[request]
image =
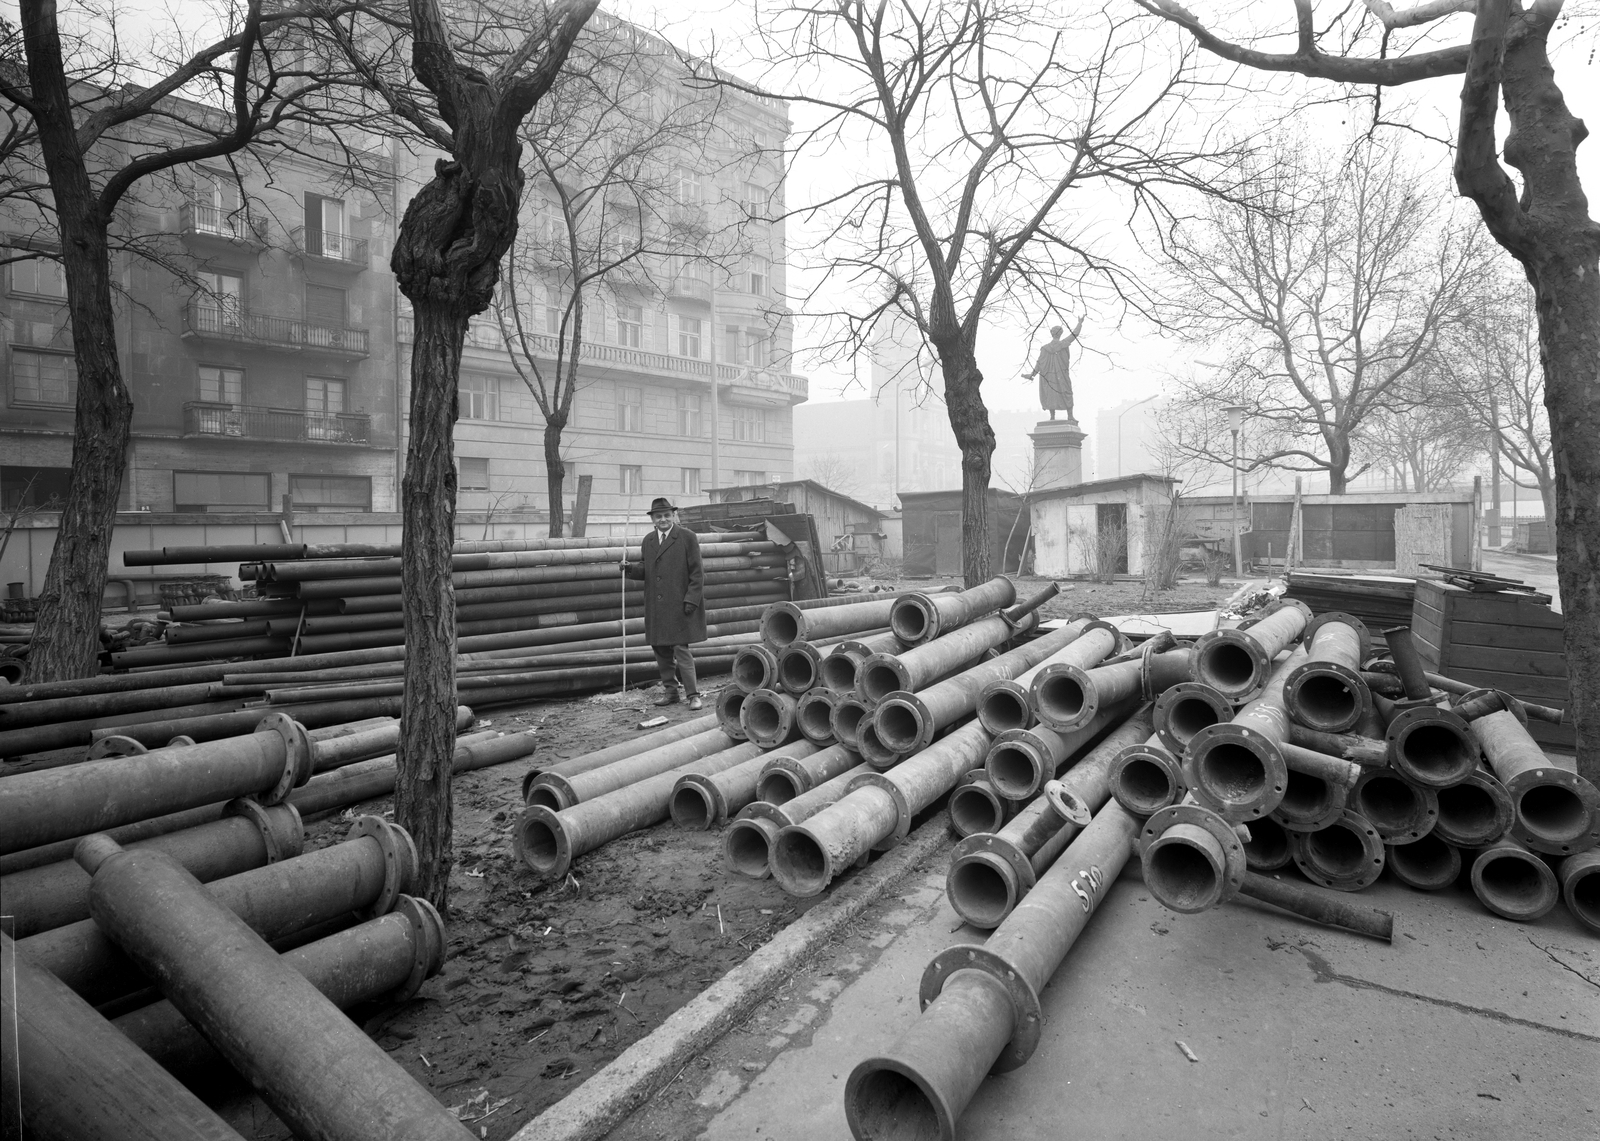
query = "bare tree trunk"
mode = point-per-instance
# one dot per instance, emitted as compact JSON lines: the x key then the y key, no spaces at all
{"x":969,"y":419}
{"x":66,"y":641}
{"x":1338,"y":465}
{"x":555,"y":471}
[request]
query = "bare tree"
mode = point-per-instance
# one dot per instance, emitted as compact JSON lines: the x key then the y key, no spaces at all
{"x":622,"y":147}
{"x":1330,"y":292}
{"x":90,"y":112}
{"x":470,"y":83}
{"x":833,"y":471}
{"x":963,"y":129}
{"x":1544,"y":223}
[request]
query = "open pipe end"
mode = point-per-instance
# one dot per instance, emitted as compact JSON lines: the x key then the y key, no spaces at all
{"x":751,"y":670}
{"x":886,"y":1100}
{"x":1309,"y":800}
{"x":1184,"y":710}
{"x":1268,"y":848}
{"x":545,"y":796}
{"x":1005,"y":707}
{"x":837,"y":672}
{"x":873,"y":749}
{"x":983,"y":889}
{"x":900,"y":724}
{"x":540,"y":841}
{"x":1514,"y":883}
{"x":1238,"y":773}
{"x":1580,"y":884}
{"x":797,"y":670}
{"x":814,"y":714}
{"x":913,"y":619}
{"x":1327,"y":697}
{"x":1556,"y":812}
{"x":1428,"y":864}
{"x":747,"y":846}
{"x":846,"y":719}
{"x":1398,"y":809}
{"x":1346,"y":856}
{"x":1185,"y":869}
{"x":800,"y":863}
{"x":1015,"y":770}
{"x":1431,"y":750}
{"x":765,"y":720}
{"x":1474,"y":813}
{"x":879,"y":676}
{"x":975,"y":808}
{"x":780,"y":625}
{"x":1142,"y":783}
{"x":778,"y":786}
{"x":729,"y":702}
{"x":1232,"y":663}
{"x":691,"y":808}
{"x":1064,"y":698}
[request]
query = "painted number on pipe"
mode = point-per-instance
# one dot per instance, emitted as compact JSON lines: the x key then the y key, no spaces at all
{"x":1093,"y":878}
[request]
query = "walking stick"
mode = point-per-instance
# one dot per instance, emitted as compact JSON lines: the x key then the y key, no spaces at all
{"x":622,"y":617}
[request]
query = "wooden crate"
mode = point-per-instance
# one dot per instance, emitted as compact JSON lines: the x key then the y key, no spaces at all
{"x":1499,"y":641}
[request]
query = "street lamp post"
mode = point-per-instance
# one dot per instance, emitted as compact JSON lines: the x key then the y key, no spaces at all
{"x":1235,"y":422}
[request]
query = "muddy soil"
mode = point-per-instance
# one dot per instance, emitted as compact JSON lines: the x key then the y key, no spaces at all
{"x":547,"y":983}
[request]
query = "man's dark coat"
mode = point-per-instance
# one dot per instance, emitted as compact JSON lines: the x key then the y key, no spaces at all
{"x":672,"y":576}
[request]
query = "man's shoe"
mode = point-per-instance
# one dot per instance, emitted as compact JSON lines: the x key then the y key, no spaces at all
{"x":696,"y":704}
{"x":668,"y":698}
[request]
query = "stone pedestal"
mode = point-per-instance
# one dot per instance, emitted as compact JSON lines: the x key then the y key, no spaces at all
{"x":1057,"y":454}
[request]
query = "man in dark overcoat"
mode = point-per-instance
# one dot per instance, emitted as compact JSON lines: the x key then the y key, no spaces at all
{"x":674,"y":605}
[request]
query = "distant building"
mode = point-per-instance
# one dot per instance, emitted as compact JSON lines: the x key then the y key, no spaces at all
{"x":1128,"y":438}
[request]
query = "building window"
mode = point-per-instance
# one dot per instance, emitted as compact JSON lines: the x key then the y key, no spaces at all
{"x":749,"y":425}
{"x":324,"y":394}
{"x":478,"y":397}
{"x":630,"y":409}
{"x":325,"y":307}
{"x":691,"y":481}
{"x":630,"y":326}
{"x":756,"y":203}
{"x":757,"y":350}
{"x":216,"y":204}
{"x":40,"y":488}
{"x":760,"y":276}
{"x":632,"y":479}
{"x":221,"y":304}
{"x":330,"y":492}
{"x":689,"y":337}
{"x":472,"y":473}
{"x":325,"y":229}
{"x":690,"y":422}
{"x":732,"y":345}
{"x":221,"y":385}
{"x":40,"y":277}
{"x":552,"y":320}
{"x":688,"y":187}
{"x":43,"y":378}
{"x":749,"y":478}
{"x":221,"y":491}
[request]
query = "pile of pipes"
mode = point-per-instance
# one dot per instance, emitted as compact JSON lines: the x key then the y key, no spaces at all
{"x":129,"y":984}
{"x":509,"y":594}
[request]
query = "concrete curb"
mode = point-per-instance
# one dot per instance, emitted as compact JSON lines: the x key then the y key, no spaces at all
{"x":601,"y":1103}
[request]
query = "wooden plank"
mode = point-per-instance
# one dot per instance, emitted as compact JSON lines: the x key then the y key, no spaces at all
{"x":1562,"y":738}
{"x":1543,"y":690}
{"x":1430,"y":629}
{"x":1499,"y":636}
{"x":1491,"y":608}
{"x":1512,"y":663}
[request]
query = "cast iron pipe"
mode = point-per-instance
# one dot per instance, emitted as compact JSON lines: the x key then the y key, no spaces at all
{"x":1407,"y":665}
{"x":1580,"y":886}
{"x":1269,"y":847}
{"x":1145,"y":778}
{"x":1238,"y":769}
{"x":54,"y":804}
{"x":1327,"y":692}
{"x":622,"y":750}
{"x":1238,"y":663}
{"x":597,"y":560}
{"x":873,"y":749}
{"x":1474,"y":813}
{"x":366,"y":780}
{"x":318,"y":1071}
{"x":1556,"y":811}
{"x":1022,"y":761}
{"x":754,"y":667}
{"x":980,"y":1003}
{"x":747,"y":843}
{"x":1184,"y":710}
{"x":1514,"y":883}
{"x":848,"y":715}
{"x":365,"y":874}
{"x":1006,"y":703}
{"x":71,"y":1077}
{"x":973,"y":805}
{"x":916,"y":668}
{"x":1430,"y":746}
{"x":1309,"y":803}
{"x":248,"y":836}
{"x":704,"y":800}
{"x":1399,"y":810}
{"x":788,"y":775}
{"x":768,"y":718}
{"x":838,"y":670}
{"x":547,"y":842}
{"x":989,"y":873}
{"x":1368,"y":752}
{"x":784,"y":623}
{"x":1345,"y":856}
{"x":382,"y":960}
{"x":1428,"y":864}
{"x":907,"y":721}
{"x":557,"y":791}
{"x":728,"y":704}
{"x":1067,"y":695}
{"x":918,"y":618}
{"x":876,"y":812}
{"x":813,"y":712}
{"x":798,"y":664}
{"x":238,"y":552}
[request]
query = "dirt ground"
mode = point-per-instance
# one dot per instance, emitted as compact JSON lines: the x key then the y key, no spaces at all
{"x":545,"y":984}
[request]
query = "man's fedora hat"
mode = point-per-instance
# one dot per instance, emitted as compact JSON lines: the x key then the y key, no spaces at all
{"x":662,"y":503}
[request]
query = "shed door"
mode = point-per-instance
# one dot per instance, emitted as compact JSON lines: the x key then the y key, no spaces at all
{"x":947,"y":543}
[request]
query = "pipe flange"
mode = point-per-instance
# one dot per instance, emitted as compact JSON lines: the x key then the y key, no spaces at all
{"x":180,"y":740}
{"x":997,"y":846}
{"x":1350,"y":620}
{"x":1151,"y":754}
{"x":1028,"y":1012}
{"x":428,"y":944}
{"x":1275,"y":780}
{"x":1408,"y":721}
{"x":1543,"y":777}
{"x":1349,"y":678}
{"x":299,"y":756}
{"x":924,"y":716}
{"x":902,"y":806}
{"x":1068,"y":805}
{"x":1221,"y":830}
{"x":116,"y":746}
{"x":1397,"y":830}
{"x":279,"y":847}
{"x":1187,"y":691}
{"x":1366,"y":869}
{"x":1336,"y":805}
{"x":1503,"y":812}
{"x":1260,"y":671}
{"x":399,"y":861}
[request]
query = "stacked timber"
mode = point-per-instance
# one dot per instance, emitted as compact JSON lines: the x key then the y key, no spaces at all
{"x":1378,"y":600}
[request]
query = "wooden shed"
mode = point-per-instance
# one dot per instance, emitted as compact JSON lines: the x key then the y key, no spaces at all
{"x":850,"y":532}
{"x":931,"y":522}
{"x":1498,"y":640}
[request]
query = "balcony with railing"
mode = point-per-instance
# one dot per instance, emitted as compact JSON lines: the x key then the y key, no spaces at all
{"x":331,"y":248}
{"x":248,"y":422}
{"x":226,"y":224}
{"x":691,"y":283}
{"x":213,"y":322}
